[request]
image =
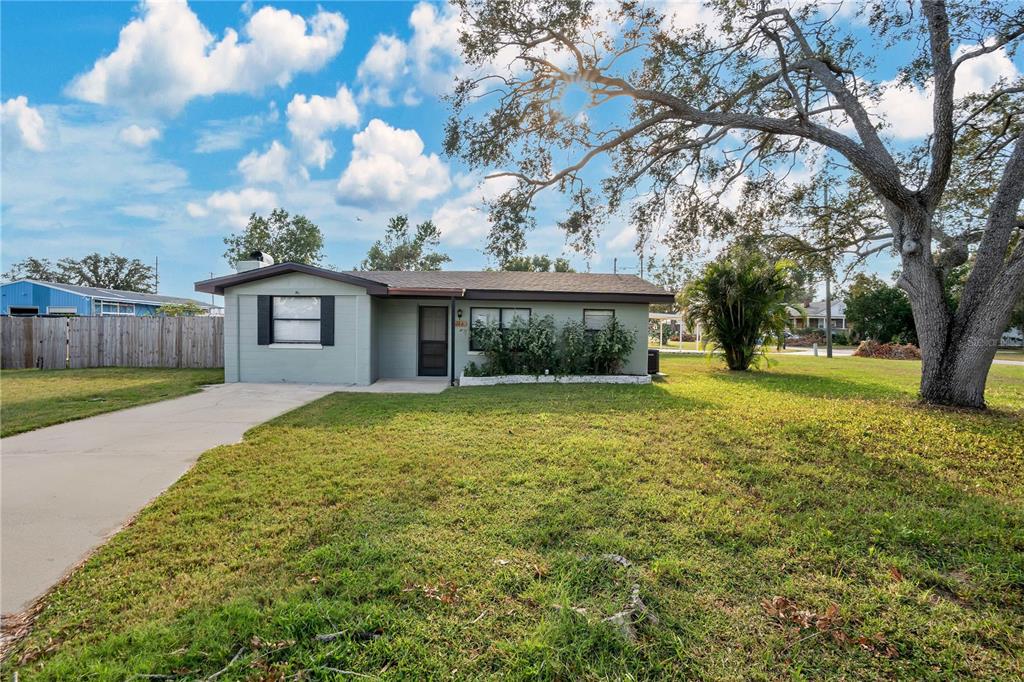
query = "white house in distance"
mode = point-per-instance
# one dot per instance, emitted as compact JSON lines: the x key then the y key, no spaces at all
{"x":815,"y":318}
{"x":298,"y":323}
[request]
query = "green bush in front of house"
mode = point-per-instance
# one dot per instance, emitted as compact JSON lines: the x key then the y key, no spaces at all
{"x":535,"y":346}
{"x":574,"y":350}
{"x":610,"y":347}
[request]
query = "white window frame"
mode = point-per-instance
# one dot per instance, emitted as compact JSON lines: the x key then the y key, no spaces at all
{"x":501,"y":321}
{"x":123,"y":309}
{"x":596,"y":310}
{"x":291,"y":343}
{"x":61,"y":310}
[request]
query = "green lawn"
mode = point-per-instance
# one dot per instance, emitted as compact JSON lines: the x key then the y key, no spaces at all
{"x":31,"y":398}
{"x":462,"y":536}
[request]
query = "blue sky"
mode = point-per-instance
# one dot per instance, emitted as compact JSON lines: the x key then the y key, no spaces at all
{"x":154,"y":130}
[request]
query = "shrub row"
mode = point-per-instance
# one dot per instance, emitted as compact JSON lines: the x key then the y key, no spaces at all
{"x":535,"y":346}
{"x":888,"y":351}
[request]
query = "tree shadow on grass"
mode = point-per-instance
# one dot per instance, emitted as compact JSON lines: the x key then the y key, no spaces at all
{"x":344,"y":410}
{"x":814,"y":385}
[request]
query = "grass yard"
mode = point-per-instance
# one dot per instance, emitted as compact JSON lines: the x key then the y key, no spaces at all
{"x":31,"y":398}
{"x":806,"y":522}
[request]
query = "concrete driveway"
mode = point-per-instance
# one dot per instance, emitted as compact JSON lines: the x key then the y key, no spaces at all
{"x":66,"y":488}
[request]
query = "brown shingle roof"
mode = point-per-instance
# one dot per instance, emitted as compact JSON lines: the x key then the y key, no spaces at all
{"x":551,"y":282}
{"x":566,"y":286}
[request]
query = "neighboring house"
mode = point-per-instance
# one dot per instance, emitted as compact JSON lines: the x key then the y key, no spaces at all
{"x":33,"y":297}
{"x":1012,"y":338}
{"x":815,"y":316}
{"x":299,"y":323}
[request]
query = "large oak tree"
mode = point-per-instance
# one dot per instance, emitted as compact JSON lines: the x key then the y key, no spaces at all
{"x":681,"y":112}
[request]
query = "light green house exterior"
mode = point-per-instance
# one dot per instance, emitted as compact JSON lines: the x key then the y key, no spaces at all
{"x":377,"y":326}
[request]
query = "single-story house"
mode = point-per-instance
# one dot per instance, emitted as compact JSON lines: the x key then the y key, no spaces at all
{"x":34,"y":297}
{"x":815,"y":318}
{"x":299,"y":323}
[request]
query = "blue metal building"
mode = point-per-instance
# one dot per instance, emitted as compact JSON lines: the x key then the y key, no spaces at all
{"x":32,"y":297}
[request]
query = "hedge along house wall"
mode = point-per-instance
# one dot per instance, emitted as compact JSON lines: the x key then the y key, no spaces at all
{"x":632,"y":316}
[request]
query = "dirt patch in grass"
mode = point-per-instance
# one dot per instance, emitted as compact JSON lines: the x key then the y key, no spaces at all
{"x":461,"y":536}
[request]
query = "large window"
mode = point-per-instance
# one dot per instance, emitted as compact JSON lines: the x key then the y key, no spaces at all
{"x":113,"y":308}
{"x":510,"y":315}
{"x":503,"y":317}
{"x":596,"y":320}
{"x":296,"y":319}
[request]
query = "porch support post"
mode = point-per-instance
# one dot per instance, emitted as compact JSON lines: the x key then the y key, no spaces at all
{"x":451,"y":342}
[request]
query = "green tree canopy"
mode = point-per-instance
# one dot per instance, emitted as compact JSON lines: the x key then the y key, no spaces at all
{"x":401,"y":251}
{"x":288,"y":239}
{"x":879,"y":311}
{"x":107,"y":272}
{"x":627,"y":111}
{"x":35,"y":268}
{"x":541,"y":263}
{"x":187,"y":309}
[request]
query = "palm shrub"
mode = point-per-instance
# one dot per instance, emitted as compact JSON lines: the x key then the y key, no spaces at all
{"x":740,"y":301}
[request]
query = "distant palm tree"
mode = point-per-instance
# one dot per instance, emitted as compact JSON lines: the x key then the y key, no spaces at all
{"x":739,"y":300}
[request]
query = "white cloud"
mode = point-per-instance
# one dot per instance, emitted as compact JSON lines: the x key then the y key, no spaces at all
{"x":981,"y":73}
{"x":463,"y":219}
{"x":220,"y":135}
{"x":434,"y":47}
{"x":382,"y":68}
{"x":165,"y":56}
{"x":908,"y":109}
{"x":146,"y":211}
{"x":309,"y":118}
{"x":23,"y":123}
{"x":137,"y":136}
{"x":61,"y":194}
{"x":272,"y":166}
{"x":234,"y":207}
{"x":431,"y":56}
{"x":688,"y":16}
{"x":388,"y":166}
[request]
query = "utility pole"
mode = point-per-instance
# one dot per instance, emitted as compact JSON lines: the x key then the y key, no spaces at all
{"x":828,"y":280}
{"x":615,"y":266}
{"x":212,"y":302}
{"x":156,"y":276}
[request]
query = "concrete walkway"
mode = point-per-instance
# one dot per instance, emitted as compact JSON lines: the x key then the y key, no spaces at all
{"x":66,"y":488}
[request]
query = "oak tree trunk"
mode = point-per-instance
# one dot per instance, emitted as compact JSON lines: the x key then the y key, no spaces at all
{"x":957,"y":347}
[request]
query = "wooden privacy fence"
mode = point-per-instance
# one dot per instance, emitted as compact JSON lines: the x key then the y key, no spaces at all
{"x":76,"y":342}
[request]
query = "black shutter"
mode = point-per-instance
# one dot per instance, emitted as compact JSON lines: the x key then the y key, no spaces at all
{"x":264,"y":320}
{"x":326,"y":320}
